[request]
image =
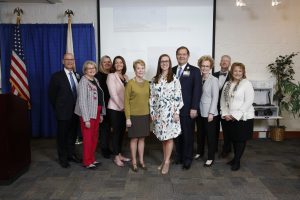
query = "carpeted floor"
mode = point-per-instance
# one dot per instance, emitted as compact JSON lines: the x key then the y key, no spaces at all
{"x":269,"y":170}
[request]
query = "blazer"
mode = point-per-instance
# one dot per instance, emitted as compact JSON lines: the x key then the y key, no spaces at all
{"x":190,"y":81}
{"x":87,"y":101}
{"x":116,"y":90}
{"x":240,"y":106}
{"x":217,"y":75}
{"x":61,"y":96}
{"x":209,"y":97}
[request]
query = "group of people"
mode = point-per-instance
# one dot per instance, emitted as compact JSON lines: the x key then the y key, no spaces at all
{"x":175,"y":100}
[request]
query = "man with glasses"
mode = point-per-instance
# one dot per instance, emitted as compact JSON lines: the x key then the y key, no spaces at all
{"x":190,"y":80}
{"x":63,"y":95}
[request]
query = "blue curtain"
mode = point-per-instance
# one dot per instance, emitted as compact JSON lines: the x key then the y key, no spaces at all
{"x":44,"y":47}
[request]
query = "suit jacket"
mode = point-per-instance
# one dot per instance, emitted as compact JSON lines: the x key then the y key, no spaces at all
{"x":61,"y":96}
{"x":116,"y":90}
{"x":240,"y":106}
{"x":190,"y":81}
{"x":209,"y":97}
{"x":217,"y":75}
{"x":87,"y":101}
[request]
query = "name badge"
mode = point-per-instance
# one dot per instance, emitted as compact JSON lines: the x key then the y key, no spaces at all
{"x":186,"y":73}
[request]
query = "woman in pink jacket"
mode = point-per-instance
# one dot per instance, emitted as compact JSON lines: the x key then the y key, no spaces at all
{"x":116,"y":82}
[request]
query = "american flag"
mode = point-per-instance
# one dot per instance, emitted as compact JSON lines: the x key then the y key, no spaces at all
{"x":18,"y":72}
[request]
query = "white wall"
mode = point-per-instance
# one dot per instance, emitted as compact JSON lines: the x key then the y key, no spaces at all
{"x":256,"y":34}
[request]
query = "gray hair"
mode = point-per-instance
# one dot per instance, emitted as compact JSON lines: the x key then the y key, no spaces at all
{"x":88,"y":62}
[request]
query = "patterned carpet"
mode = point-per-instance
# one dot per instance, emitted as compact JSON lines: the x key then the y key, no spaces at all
{"x":269,"y":170}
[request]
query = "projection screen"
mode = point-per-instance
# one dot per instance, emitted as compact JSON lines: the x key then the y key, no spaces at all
{"x":140,"y":29}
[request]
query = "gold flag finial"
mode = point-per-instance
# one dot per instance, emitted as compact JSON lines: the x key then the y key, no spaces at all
{"x":19,"y":12}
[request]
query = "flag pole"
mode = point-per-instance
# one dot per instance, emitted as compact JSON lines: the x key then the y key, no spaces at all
{"x":18,"y":72}
{"x":69,"y":47}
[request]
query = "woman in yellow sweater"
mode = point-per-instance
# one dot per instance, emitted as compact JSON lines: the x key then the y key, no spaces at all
{"x":137,"y":92}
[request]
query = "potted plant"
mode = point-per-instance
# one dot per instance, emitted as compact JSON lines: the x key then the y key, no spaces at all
{"x":286,"y":92}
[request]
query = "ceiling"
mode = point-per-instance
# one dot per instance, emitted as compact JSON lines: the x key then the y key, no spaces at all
{"x":32,"y":1}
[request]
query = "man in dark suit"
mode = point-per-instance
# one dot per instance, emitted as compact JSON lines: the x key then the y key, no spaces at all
{"x":190,"y":80}
{"x":223,"y":76}
{"x":63,"y":95}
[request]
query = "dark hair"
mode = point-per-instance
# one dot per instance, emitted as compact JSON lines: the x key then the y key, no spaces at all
{"x":240,"y":65}
{"x":159,"y":71}
{"x":183,"y":47}
{"x":113,"y":68}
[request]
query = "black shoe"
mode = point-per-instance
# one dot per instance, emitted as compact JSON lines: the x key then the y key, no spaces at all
{"x":177,"y":162}
{"x":230,"y":162}
{"x":186,"y":166}
{"x":208,"y":165}
{"x":96,"y":163}
{"x":224,"y":154}
{"x":75,"y":159}
{"x":91,"y":166}
{"x":64,"y":164}
{"x":236,"y":166}
{"x":198,"y":156}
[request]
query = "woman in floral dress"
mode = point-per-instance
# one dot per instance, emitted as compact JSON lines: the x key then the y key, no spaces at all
{"x":165,"y":103}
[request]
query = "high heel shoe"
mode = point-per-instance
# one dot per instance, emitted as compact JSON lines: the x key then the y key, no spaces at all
{"x":134,"y":168}
{"x":165,"y":168}
{"x":118,"y":162}
{"x":124,"y":159}
{"x":160,"y":166}
{"x":143,"y":166}
{"x":208,"y":163}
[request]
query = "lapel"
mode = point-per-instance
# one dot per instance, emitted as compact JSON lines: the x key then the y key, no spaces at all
{"x":118,"y":79}
{"x":207,"y":82}
{"x":66,"y":80}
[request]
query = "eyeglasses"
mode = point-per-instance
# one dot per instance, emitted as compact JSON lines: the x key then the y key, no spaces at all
{"x":205,"y":66}
{"x":69,"y":59}
{"x":164,"y":61}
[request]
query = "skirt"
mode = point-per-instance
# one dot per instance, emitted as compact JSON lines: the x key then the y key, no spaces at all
{"x":239,"y":131}
{"x":140,"y":126}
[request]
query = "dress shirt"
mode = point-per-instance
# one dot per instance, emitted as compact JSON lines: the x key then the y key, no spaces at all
{"x":222,"y":79}
{"x":74,"y":77}
{"x":182,"y":69}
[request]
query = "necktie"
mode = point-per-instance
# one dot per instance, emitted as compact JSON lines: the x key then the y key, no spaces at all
{"x":179,"y":72}
{"x":73,"y":85}
{"x":223,"y":73}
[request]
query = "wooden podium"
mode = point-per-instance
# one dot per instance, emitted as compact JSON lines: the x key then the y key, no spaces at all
{"x":15,"y":152}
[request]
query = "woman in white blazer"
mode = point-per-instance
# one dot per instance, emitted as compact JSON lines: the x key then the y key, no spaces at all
{"x":237,"y":110}
{"x":116,"y":86}
{"x":90,"y":106}
{"x":206,"y":122}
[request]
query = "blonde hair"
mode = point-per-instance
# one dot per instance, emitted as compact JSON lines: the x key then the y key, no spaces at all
{"x":139,"y":61}
{"x":88,"y":62}
{"x":206,"y":58}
